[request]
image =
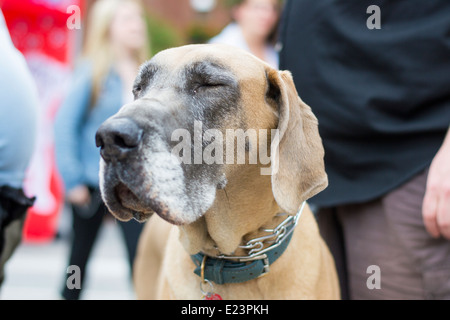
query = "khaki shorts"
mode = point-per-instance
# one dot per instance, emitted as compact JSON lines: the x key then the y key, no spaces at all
{"x":382,"y":250}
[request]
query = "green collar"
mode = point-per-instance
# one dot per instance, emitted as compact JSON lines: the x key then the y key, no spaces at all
{"x":234,"y":269}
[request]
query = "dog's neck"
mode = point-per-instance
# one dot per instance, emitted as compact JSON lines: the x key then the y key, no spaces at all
{"x":237,"y":215}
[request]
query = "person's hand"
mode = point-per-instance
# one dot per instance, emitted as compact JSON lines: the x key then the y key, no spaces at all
{"x":436,"y":203}
{"x":79,"y":196}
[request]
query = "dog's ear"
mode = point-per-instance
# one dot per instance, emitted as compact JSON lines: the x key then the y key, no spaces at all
{"x":298,"y":170}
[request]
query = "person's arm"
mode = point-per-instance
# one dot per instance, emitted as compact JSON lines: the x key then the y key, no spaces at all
{"x":68,"y":125}
{"x":436,"y":203}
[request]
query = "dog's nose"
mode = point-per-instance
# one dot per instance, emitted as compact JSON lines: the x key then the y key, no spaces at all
{"x":116,"y":137}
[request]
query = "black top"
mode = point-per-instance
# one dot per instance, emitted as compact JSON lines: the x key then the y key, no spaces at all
{"x":382,"y":96}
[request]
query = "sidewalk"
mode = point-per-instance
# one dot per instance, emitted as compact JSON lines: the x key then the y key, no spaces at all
{"x":37,"y":271}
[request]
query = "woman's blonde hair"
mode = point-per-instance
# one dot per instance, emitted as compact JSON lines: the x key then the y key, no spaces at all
{"x":97,"y":47}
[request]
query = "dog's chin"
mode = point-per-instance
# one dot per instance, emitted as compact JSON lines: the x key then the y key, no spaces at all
{"x":124,"y":204}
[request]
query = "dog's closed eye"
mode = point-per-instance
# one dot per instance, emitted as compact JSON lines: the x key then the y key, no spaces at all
{"x":136,"y":90}
{"x":147,"y":72}
{"x":206,"y":76}
{"x":204,"y":86}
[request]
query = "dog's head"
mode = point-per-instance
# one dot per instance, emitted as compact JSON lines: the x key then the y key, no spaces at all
{"x":168,"y":151}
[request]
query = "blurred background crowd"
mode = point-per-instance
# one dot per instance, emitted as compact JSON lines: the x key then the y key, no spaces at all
{"x":81,"y":57}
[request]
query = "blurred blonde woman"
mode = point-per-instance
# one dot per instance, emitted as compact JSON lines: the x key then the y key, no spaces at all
{"x":253,"y":28}
{"x":116,"y":44}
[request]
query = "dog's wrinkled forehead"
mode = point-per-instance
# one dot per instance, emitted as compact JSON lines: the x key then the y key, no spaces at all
{"x":206,"y":88}
{"x":197,"y":66}
{"x":200,"y":70}
{"x":193,"y":75}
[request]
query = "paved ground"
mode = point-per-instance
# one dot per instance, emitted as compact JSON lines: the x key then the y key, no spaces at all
{"x":37,"y":271}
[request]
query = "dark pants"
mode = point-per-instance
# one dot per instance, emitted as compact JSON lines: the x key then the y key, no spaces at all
{"x":13,"y":208}
{"x":387,"y":233}
{"x":85,"y":230}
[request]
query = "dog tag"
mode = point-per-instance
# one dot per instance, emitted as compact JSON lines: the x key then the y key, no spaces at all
{"x":212,"y":296}
{"x":207,"y":294}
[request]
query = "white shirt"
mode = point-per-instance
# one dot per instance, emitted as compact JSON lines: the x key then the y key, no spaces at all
{"x":232,"y":35}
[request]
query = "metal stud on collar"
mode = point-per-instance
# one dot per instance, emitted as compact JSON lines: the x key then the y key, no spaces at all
{"x":275,"y":238}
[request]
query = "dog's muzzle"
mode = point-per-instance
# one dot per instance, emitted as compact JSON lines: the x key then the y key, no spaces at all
{"x":130,"y":184}
{"x":119,"y":139}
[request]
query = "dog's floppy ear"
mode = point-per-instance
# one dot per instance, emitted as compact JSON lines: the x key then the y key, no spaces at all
{"x":298,"y":170}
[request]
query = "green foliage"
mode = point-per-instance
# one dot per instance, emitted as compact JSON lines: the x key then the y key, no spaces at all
{"x":162,"y":35}
{"x":198,"y":33}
